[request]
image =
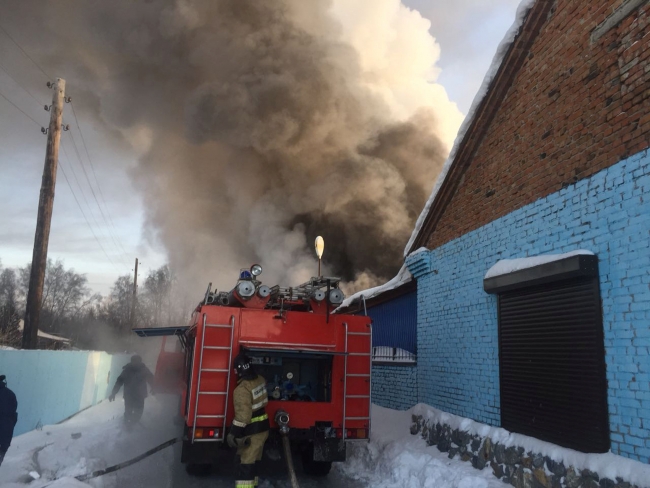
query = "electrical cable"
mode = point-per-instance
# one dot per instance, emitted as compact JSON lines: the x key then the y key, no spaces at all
{"x":65,"y":176}
{"x":85,"y":218}
{"x":99,"y":188}
{"x":25,"y":52}
{"x":108,"y":230}
{"x":76,"y":149}
{"x":16,"y":82}
{"x":21,"y":110}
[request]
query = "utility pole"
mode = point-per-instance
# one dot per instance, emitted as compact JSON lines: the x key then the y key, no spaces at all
{"x":135,"y":297}
{"x":44,"y":219}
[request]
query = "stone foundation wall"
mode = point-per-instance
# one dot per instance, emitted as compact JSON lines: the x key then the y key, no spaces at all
{"x":512,"y":465}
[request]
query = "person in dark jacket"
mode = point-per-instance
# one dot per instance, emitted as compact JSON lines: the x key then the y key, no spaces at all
{"x":134,"y":377}
{"x":8,"y":416}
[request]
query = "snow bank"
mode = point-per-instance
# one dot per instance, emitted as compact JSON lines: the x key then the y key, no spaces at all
{"x":506,"y":266}
{"x":502,"y":50}
{"x":394,"y":457}
{"x":68,"y":482}
{"x":607,"y":465}
{"x":92,"y":440}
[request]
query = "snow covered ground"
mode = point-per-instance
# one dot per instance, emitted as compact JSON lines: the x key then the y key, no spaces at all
{"x":395,"y":458}
{"x":95,"y":439}
{"x":90,"y":441}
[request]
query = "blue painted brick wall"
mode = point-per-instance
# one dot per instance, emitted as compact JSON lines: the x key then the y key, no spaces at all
{"x":394,"y":387}
{"x":608,"y":214}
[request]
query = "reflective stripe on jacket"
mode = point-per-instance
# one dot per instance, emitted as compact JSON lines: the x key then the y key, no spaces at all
{"x":250,"y":398}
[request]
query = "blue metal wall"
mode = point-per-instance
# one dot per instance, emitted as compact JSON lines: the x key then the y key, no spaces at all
{"x":395,"y":326}
{"x":395,"y":323}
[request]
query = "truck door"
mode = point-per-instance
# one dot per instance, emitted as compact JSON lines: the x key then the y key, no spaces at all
{"x":168,"y":377}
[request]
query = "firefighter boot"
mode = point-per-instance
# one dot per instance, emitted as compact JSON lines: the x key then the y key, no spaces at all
{"x":245,"y":476}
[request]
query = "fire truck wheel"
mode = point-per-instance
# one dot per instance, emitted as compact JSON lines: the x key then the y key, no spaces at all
{"x":314,"y":468}
{"x":198,"y":469}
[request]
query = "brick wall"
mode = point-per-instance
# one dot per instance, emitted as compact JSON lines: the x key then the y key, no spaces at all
{"x":607,"y":213}
{"x":576,"y":107}
{"x":394,"y":386}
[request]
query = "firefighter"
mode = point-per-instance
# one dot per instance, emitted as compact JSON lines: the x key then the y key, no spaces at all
{"x":8,"y":416}
{"x":250,"y":427}
{"x":134,"y":377}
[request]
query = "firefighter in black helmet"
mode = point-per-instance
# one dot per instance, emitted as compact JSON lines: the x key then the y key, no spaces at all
{"x":250,"y":427}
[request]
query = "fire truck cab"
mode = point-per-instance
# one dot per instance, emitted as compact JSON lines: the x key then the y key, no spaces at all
{"x":317,"y":367}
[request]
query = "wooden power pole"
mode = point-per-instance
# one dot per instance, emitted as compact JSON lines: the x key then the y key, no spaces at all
{"x":44,"y":219}
{"x":135,"y":296}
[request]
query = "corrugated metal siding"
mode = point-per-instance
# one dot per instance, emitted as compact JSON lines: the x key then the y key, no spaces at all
{"x":552,"y":362}
{"x":395,"y":323}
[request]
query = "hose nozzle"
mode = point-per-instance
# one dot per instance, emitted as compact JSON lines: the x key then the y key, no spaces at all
{"x":282,"y":419}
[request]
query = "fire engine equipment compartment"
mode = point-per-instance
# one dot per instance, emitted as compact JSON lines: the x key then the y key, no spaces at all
{"x":291,"y":376}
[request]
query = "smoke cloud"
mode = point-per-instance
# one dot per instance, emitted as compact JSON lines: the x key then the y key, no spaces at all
{"x":262,"y":124}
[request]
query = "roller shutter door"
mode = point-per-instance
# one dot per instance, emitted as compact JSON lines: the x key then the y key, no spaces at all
{"x":552,"y":364}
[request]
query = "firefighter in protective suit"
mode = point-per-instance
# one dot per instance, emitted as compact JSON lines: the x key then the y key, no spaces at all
{"x":250,"y":427}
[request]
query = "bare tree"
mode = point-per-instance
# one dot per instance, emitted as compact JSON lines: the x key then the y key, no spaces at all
{"x":117,"y":309}
{"x":9,"y":312}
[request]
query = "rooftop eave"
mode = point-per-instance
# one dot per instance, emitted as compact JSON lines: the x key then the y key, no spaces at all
{"x":485,"y":114}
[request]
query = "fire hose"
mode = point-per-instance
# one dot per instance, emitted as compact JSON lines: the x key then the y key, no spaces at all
{"x":124,"y":464}
{"x":282,"y":419}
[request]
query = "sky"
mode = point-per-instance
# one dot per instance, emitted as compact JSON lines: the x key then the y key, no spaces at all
{"x":98,"y":226}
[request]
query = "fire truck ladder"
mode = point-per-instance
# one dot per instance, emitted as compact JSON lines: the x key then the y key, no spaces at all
{"x":349,"y":374}
{"x":225,"y":371}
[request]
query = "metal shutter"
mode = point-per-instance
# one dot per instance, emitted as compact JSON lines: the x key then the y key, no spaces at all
{"x":552,"y":359}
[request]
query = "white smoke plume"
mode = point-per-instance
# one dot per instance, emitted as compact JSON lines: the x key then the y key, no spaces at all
{"x":262,"y":124}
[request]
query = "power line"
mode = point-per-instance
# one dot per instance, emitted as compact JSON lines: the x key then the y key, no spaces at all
{"x":25,"y":52}
{"x":75,"y":146}
{"x":20,"y":110}
{"x":74,"y":174}
{"x":108,"y":230}
{"x":86,"y":218}
{"x":16,"y":82}
{"x":69,"y":185}
{"x":92,"y":167}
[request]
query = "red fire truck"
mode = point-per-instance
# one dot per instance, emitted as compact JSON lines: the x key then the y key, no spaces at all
{"x":317,"y":366}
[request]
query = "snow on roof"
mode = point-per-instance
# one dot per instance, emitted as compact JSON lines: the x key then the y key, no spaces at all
{"x":44,"y":335}
{"x":403,"y":276}
{"x":507,"y":266}
{"x":607,"y":465}
{"x":502,"y":50}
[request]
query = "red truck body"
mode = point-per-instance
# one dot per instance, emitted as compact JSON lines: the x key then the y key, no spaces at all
{"x":317,"y":366}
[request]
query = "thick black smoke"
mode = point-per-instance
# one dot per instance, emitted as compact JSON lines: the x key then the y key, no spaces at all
{"x":258,"y":132}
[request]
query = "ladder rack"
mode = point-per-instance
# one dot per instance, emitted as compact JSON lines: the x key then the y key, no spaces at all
{"x":202,"y":370}
{"x":348,"y":374}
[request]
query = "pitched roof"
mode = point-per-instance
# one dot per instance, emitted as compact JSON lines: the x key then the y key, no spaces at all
{"x":510,"y":57}
{"x":398,"y":286}
{"x":44,"y":335}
